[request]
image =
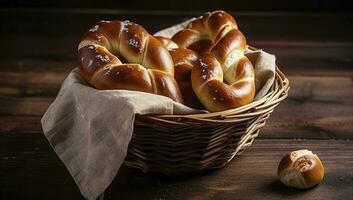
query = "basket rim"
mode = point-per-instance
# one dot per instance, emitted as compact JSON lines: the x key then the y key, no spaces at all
{"x":273,"y":97}
{"x":283,"y":91}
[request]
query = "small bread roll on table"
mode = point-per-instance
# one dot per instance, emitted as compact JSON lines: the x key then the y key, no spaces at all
{"x":301,"y":169}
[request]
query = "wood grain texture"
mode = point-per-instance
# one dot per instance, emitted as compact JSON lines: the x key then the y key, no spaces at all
{"x":31,"y":170}
{"x":306,"y":44}
{"x":313,"y":49}
{"x":257,"y":26}
{"x":182,"y":5}
{"x":294,"y":58}
{"x":317,"y":107}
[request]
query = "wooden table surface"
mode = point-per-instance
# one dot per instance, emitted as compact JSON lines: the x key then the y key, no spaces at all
{"x":314,"y":51}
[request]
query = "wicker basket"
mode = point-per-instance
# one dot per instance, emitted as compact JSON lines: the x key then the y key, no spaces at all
{"x":180,"y":144}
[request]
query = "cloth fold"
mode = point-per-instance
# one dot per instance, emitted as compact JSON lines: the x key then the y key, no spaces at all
{"x":90,"y":129}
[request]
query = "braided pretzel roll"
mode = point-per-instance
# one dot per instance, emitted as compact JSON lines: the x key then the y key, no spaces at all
{"x":184,"y":60}
{"x":225,"y":77}
{"x":149,"y":68}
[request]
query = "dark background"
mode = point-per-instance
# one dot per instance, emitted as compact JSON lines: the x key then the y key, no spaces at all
{"x":298,"y":32}
{"x":188,"y":5}
{"x":312,"y":41}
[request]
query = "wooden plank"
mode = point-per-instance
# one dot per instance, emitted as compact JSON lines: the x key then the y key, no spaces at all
{"x":257,"y":26}
{"x":27,"y":167}
{"x":315,"y":128}
{"x":24,"y":106}
{"x":311,"y":58}
{"x":31,"y":170}
{"x":28,"y":84}
{"x":306,"y":128}
{"x":182,"y":5}
{"x":20,"y":125}
{"x":328,"y":92}
{"x":40,"y":52}
{"x":317,"y":107}
{"x":300,"y":46}
{"x":308,"y":59}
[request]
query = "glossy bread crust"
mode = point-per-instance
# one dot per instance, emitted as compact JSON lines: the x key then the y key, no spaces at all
{"x":301,"y":169}
{"x":184,"y":61}
{"x":149,"y":66}
{"x":224,"y":78}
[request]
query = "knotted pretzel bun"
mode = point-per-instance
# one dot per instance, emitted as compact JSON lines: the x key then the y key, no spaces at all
{"x":225,"y":77}
{"x":149,"y":66}
{"x":184,"y":60}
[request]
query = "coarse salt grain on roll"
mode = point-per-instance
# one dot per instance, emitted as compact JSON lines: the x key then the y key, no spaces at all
{"x":149,"y":66}
{"x":225,"y":77}
{"x":301,"y":169}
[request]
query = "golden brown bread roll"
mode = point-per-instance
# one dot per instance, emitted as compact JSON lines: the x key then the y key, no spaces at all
{"x":184,"y":60}
{"x":149,"y":68}
{"x":206,"y":31}
{"x":225,"y":77}
{"x":301,"y":169}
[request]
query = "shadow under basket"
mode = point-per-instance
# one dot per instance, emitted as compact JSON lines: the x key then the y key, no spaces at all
{"x":182,"y":144}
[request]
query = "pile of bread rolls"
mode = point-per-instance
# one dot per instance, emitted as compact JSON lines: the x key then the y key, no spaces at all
{"x":202,"y":66}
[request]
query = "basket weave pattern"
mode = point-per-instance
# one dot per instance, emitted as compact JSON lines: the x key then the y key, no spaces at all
{"x":180,"y":144}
